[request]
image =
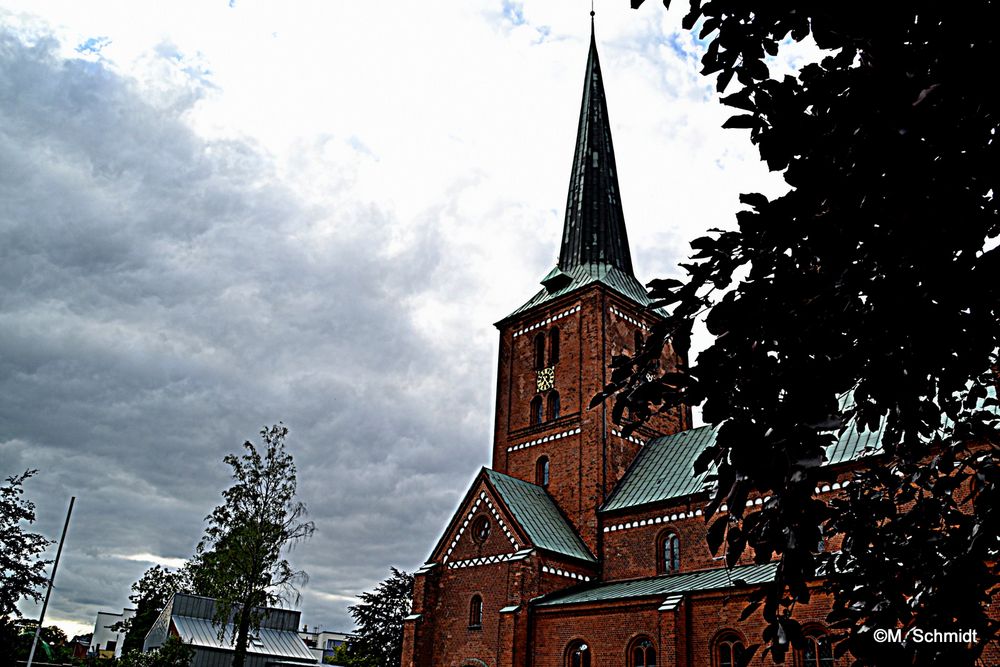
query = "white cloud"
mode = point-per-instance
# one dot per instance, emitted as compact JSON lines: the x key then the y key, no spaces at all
{"x":215,"y":218}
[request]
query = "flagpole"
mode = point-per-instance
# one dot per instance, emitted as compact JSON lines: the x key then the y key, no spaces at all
{"x":52,"y":578}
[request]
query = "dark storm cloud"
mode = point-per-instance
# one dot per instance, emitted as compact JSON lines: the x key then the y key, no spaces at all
{"x":163,"y":296}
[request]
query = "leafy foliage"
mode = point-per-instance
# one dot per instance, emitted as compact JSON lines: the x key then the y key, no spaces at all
{"x":16,"y":637}
{"x":22,"y":570}
{"x":173,"y":653}
{"x":150,"y":595}
{"x":378,"y":640}
{"x":239,"y":560}
{"x":866,"y":295}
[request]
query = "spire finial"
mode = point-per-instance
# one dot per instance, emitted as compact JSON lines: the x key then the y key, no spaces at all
{"x":591,"y":11}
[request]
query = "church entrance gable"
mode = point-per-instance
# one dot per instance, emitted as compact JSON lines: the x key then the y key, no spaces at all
{"x":482,"y":532}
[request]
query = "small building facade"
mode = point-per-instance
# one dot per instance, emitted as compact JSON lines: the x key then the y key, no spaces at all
{"x":106,"y":642}
{"x":189,"y":617}
{"x":324,"y":643}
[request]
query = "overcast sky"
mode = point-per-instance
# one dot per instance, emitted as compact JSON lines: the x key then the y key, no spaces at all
{"x":218,"y":215}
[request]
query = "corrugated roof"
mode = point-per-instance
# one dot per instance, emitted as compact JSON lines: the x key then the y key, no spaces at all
{"x":538,"y":515}
{"x":663,"y":585}
{"x":663,"y":470}
{"x":275,"y":643}
{"x":585,"y":274}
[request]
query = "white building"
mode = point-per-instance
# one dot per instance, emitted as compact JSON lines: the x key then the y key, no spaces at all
{"x":105,"y":642}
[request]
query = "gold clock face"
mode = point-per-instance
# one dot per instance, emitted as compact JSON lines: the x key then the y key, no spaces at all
{"x":546,"y":379}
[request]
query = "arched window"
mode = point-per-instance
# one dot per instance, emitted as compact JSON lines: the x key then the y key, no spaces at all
{"x":536,"y":410}
{"x":642,"y":653}
{"x":553,"y":346}
{"x":539,"y":351}
{"x":578,"y":655}
{"x":668,"y":553}
{"x":728,"y":650}
{"x":542,"y":471}
{"x":818,"y":651}
{"x":552,"y":405}
{"x":476,"y":612}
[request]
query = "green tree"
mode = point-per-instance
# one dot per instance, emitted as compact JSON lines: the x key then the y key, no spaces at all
{"x":865,"y":296}
{"x":150,"y":595}
{"x":173,"y":653}
{"x":22,"y":569}
{"x":239,"y":560}
{"x":378,"y":640}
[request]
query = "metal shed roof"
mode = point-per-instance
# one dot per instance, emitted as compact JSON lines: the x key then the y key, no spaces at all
{"x":537,"y":514}
{"x":283,"y":644}
{"x":664,"y":585}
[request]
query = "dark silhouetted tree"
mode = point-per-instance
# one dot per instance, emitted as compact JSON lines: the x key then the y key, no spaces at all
{"x":22,"y":568}
{"x":239,"y":560}
{"x":864,"y":297}
{"x":378,"y":640}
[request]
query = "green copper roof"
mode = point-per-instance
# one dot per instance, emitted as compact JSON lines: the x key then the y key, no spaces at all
{"x":594,"y":246}
{"x":585,"y":274}
{"x":594,"y":229}
{"x":537,"y":514}
{"x":667,"y":584}
{"x":663,"y":470}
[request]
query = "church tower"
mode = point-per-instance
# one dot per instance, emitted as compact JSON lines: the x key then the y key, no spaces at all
{"x":529,"y":525}
{"x":555,"y":350}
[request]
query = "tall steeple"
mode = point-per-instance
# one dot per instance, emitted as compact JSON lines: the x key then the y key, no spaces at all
{"x":594,"y":228}
{"x":594,"y":246}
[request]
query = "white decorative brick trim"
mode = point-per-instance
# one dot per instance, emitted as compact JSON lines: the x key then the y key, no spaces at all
{"x":629,"y":318}
{"x":630,"y":438}
{"x":836,"y":486}
{"x":666,"y":518}
{"x":548,"y":438}
{"x":484,"y":560}
{"x":826,"y":488}
{"x":465,"y":524}
{"x":565,"y":573}
{"x":546,"y":321}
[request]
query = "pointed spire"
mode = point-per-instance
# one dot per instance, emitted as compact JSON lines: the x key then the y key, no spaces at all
{"x":594,"y":231}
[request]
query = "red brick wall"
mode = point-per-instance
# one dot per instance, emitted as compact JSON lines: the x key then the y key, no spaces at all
{"x":608,"y":631}
{"x":632,"y":552}
{"x":584,"y":468}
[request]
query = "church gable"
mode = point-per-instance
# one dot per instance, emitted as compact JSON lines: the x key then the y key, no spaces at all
{"x":483,"y":530}
{"x":502,"y":518}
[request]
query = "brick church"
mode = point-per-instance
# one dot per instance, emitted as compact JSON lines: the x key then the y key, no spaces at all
{"x":582,"y":547}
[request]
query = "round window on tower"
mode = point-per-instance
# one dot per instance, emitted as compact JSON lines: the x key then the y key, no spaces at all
{"x":480,"y":529}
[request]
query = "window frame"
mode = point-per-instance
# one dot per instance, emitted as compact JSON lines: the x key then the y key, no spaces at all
{"x":665,"y":564}
{"x":554,"y":346}
{"x":573,"y":647}
{"x":542,"y":471}
{"x":538,"y":351}
{"x":553,"y":406}
{"x":815,"y":634}
{"x":635,"y":645}
{"x":476,"y":612}
{"x":727,"y":638}
{"x":536,"y":411}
